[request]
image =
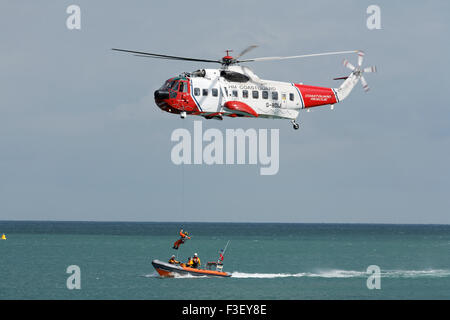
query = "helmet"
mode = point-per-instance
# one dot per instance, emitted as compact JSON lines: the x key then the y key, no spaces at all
{"x":173,"y":256}
{"x":195,"y":254}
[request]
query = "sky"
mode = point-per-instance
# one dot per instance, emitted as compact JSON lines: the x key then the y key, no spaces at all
{"x":82,"y":139}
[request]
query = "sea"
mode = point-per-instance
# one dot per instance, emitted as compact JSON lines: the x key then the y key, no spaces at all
{"x":266,"y":260}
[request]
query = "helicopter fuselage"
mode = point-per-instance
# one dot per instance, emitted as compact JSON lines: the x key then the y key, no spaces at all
{"x":236,"y":91}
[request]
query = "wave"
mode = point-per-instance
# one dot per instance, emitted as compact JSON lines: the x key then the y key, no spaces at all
{"x":346,"y":274}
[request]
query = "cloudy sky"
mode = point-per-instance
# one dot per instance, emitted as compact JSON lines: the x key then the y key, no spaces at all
{"x":81,"y":137}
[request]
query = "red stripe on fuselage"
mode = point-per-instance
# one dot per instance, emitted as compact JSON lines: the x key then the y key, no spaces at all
{"x":316,"y":96}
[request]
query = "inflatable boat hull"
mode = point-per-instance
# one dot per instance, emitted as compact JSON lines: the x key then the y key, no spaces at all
{"x":165,"y":269}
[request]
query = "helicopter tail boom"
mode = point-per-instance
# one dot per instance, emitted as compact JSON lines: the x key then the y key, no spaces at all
{"x":347,"y":86}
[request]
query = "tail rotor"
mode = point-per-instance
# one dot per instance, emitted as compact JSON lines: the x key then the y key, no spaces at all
{"x":359,"y":71}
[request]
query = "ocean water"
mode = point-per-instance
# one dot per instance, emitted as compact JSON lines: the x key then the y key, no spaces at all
{"x":267,"y":261}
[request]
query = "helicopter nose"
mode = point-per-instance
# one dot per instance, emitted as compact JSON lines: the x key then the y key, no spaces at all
{"x":161,"y":94}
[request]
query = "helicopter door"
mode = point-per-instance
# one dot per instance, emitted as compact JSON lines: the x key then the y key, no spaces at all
{"x":183,"y":94}
{"x":283,"y":100}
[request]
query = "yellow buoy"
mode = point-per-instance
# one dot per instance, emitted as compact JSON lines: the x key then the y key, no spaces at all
{"x":3,"y":237}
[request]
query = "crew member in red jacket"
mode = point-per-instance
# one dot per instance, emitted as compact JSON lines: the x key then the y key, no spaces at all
{"x":183,"y":237}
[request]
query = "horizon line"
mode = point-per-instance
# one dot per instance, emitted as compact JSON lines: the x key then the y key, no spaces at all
{"x":228,"y":222}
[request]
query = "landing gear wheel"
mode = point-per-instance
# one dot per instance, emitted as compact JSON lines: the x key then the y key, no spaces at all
{"x":183,"y":114}
{"x":295,"y":125}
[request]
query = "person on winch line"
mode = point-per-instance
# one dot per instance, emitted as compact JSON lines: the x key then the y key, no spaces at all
{"x":183,"y":237}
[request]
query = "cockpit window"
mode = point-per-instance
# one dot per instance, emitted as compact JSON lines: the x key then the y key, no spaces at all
{"x":166,"y":85}
{"x":174,"y":86}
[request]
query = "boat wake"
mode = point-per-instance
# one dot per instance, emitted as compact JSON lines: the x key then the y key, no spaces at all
{"x":325,"y":274}
{"x":430,"y":273}
{"x":175,"y":275}
{"x":151,"y":275}
{"x":188,"y":276}
{"x":346,"y":274}
{"x":438,"y":273}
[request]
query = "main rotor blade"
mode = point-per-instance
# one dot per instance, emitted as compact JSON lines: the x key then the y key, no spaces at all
{"x":163,"y":56}
{"x":245,"y":51}
{"x":295,"y":57}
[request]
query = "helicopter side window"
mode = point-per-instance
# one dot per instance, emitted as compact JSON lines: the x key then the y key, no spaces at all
{"x":205,"y":92}
{"x":265,"y":94}
{"x":291,"y":96}
{"x":214,"y":92}
{"x":196,"y":91}
{"x":274,"y":95}
{"x":235,"y":93}
{"x":255,"y":94}
{"x":182,"y":87}
{"x":244,"y":93}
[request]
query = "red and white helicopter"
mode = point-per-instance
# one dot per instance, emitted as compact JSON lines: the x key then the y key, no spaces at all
{"x":235,"y":91}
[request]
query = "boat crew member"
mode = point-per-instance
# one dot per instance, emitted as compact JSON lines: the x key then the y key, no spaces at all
{"x":183,"y":237}
{"x":173,"y":260}
{"x":190,"y":262}
{"x":196,"y":261}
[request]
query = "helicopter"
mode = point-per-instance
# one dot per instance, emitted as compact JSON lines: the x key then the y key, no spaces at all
{"x":234,"y":90}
